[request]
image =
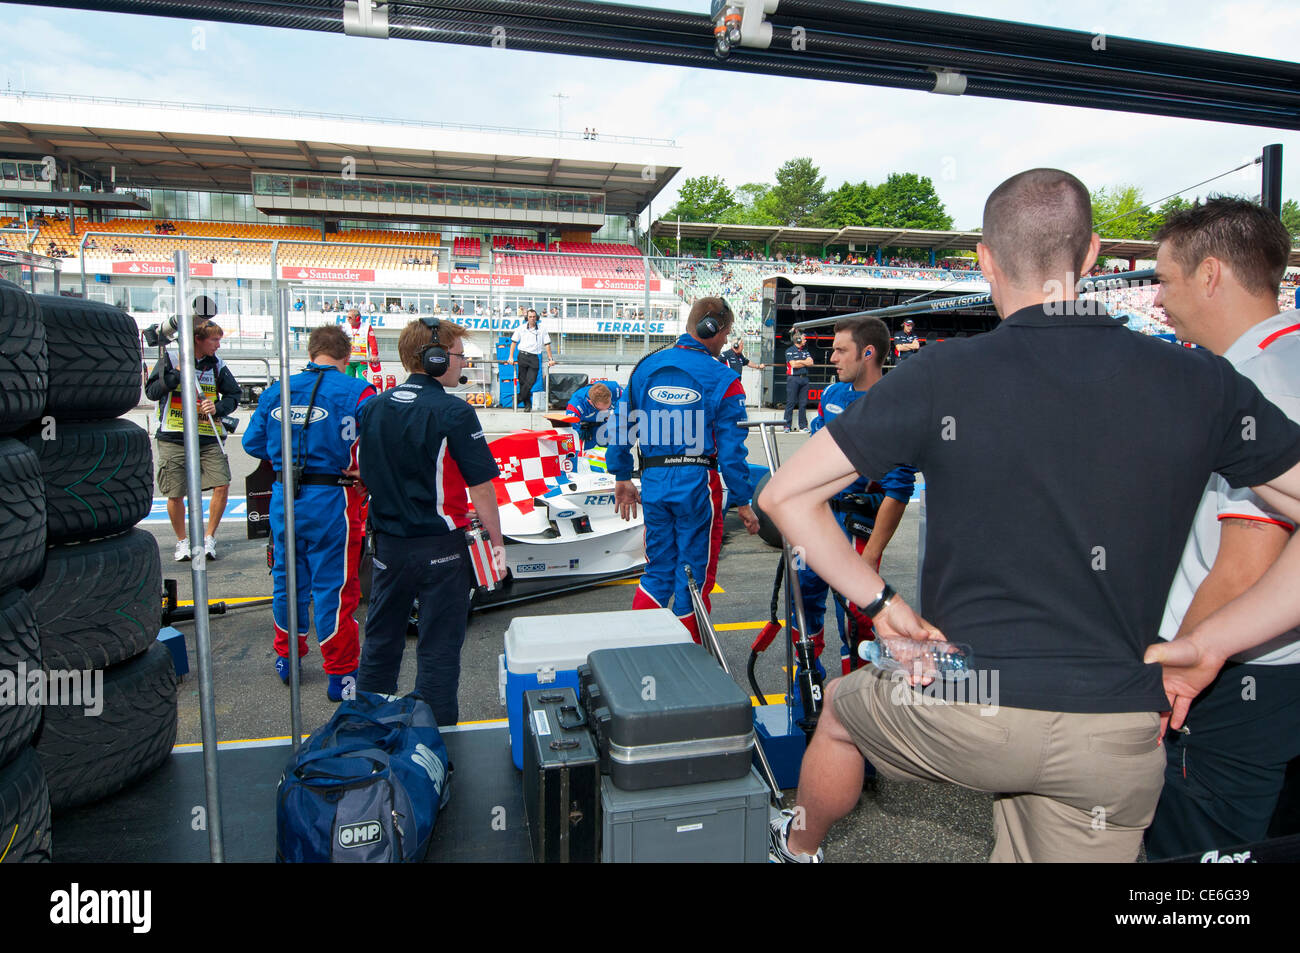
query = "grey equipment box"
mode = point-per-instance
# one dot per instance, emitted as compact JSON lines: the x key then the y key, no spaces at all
{"x":715,"y":822}
{"x":666,"y":715}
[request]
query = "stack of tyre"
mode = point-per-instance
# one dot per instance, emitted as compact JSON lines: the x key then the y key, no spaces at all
{"x":80,"y":587}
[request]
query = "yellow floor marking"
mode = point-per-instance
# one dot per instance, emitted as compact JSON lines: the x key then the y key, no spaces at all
{"x":229,"y":600}
{"x":768,"y":700}
{"x":632,"y":582}
{"x":10,"y":844}
{"x":239,"y":741}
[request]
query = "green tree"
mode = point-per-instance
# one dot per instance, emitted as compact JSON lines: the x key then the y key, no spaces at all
{"x":798,"y":193}
{"x":1156,"y":219}
{"x":1291,"y":218}
{"x":1119,"y":212}
{"x":908,"y":200}
{"x":756,"y":206}
{"x":704,"y":198}
{"x":852,"y":204}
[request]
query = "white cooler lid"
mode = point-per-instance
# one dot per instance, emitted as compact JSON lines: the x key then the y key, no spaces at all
{"x":563,"y":642}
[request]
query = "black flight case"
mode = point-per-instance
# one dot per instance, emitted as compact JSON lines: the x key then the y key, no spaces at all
{"x":561,"y":778}
{"x":666,"y":715}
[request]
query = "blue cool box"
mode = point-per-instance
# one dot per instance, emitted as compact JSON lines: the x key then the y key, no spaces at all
{"x":545,"y":652}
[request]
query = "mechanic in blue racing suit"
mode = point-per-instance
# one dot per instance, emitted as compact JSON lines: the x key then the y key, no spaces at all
{"x":683,"y":406}
{"x":869,"y":511}
{"x":591,"y":405}
{"x":327,"y":521}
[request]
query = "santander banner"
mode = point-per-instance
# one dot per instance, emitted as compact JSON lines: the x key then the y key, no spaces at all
{"x":306,"y":273}
{"x":197,"y":269}
{"x":476,"y":279}
{"x":619,"y":284}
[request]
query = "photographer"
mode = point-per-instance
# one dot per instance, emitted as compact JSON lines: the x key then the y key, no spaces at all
{"x":220,"y":397}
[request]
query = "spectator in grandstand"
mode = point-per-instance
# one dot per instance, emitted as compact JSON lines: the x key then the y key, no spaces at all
{"x":1071,"y":733}
{"x":220,"y":397}
{"x":906,"y":343}
{"x":299,"y":305}
{"x":797,"y":362}
{"x":328,"y":520}
{"x":1219,"y":265}
{"x":528,"y":342}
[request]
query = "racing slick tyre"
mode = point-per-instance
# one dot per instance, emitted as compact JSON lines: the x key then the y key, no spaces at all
{"x":20,"y":653}
{"x":100,"y":603}
{"x":24,"y":365}
{"x":95,"y":359}
{"x":22,"y":514}
{"x":767,"y":530}
{"x":98,"y":477}
{"x":86,"y":756}
{"x":24,"y":811}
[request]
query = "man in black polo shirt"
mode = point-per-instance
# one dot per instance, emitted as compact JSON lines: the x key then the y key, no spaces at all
{"x":735,"y":357}
{"x":422,"y":454}
{"x":1064,"y":457}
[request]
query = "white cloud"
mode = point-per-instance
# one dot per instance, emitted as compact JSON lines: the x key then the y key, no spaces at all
{"x":736,"y":125}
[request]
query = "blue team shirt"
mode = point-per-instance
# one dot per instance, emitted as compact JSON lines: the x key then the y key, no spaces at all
{"x":581,"y":407}
{"x":331,"y":440}
{"x":667,"y":387}
{"x":900,"y":482}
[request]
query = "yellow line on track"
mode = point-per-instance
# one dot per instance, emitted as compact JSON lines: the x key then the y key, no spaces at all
{"x":632,"y":582}
{"x":229,"y":600}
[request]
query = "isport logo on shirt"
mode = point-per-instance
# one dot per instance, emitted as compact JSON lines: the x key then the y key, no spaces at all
{"x":674,"y":395}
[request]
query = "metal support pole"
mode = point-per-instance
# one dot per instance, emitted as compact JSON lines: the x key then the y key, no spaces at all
{"x":645,"y":323}
{"x":709,"y":636}
{"x":290,"y":542}
{"x":198,"y":560}
{"x":279,"y":333}
{"x":1270,"y":192}
{"x":84,"y":238}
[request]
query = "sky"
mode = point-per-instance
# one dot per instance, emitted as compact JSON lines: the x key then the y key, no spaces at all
{"x":736,"y":126}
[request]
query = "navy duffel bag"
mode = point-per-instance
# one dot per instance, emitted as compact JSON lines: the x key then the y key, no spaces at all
{"x":366,"y":787}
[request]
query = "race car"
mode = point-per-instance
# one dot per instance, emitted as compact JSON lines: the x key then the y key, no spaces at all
{"x":558,"y":521}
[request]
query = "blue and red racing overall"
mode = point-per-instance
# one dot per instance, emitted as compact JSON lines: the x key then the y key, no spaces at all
{"x":683,"y":406}
{"x":588,"y":415}
{"x":328,"y":521}
{"x":854,"y":507}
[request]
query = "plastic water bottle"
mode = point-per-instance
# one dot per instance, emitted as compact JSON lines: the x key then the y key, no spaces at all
{"x":950,"y":660}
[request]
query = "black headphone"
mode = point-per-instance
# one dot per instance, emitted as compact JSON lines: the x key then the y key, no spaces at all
{"x":434,"y":359}
{"x":708,"y":326}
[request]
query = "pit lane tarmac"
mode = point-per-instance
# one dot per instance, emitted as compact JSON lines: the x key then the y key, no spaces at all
{"x":894,"y":821}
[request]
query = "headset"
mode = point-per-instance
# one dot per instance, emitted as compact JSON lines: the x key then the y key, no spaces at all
{"x":434,"y":359}
{"x":709,"y":326}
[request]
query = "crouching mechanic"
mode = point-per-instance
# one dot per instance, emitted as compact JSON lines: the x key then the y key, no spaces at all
{"x":327,"y":522}
{"x":422,"y":453}
{"x":589,"y":406}
{"x":868,"y":511}
{"x":683,"y":406}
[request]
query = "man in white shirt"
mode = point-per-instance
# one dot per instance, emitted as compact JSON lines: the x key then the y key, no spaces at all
{"x":528,"y":341}
{"x":1219,"y":266}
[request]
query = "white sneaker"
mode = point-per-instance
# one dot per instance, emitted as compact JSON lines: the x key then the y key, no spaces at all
{"x":778,"y":849}
{"x":209,"y":547}
{"x":182,"y":550}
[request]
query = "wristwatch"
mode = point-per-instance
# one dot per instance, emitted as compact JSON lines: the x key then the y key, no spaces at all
{"x":880,"y":603}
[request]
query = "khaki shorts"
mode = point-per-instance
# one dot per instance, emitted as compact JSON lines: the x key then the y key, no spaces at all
{"x":1070,"y":787}
{"x":214,"y":468}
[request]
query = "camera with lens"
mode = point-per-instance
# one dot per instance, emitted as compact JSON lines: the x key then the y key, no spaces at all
{"x":164,"y":332}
